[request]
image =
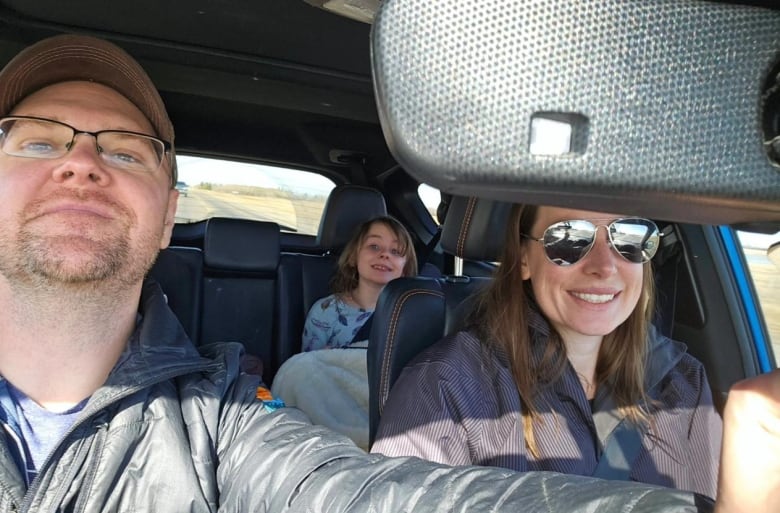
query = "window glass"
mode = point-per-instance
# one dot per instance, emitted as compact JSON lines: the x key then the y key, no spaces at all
{"x":221,"y":188}
{"x":765,"y":272}
{"x":431,"y":197}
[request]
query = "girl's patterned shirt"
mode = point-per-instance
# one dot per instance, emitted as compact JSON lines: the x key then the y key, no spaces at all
{"x":332,"y":323}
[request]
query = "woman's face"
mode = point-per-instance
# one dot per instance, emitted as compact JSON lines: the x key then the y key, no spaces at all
{"x":591,"y":297}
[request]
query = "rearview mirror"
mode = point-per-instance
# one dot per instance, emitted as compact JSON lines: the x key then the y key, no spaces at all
{"x":664,"y":109}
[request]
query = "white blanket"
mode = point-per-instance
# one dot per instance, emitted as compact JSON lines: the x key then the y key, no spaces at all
{"x":331,"y":387}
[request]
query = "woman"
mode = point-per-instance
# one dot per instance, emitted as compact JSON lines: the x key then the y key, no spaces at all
{"x":560,"y":368}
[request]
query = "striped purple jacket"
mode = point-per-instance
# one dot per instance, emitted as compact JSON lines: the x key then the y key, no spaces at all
{"x":457,"y":403}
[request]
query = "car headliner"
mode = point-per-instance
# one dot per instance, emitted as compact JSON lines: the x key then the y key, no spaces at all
{"x":272,"y":80}
{"x":281,"y":80}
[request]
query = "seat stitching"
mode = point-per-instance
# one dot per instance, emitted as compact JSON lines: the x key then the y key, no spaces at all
{"x":464,"y":227}
{"x":384,"y":379}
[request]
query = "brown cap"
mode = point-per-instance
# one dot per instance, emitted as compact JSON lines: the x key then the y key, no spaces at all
{"x":73,"y":57}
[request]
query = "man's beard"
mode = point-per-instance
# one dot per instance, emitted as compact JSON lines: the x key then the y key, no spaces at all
{"x":88,"y":258}
{"x":41,"y":258}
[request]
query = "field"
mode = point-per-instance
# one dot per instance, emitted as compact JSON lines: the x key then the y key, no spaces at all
{"x":766,"y":278}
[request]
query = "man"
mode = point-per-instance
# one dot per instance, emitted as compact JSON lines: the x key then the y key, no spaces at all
{"x":105,"y":404}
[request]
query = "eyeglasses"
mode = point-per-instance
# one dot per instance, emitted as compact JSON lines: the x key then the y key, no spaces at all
{"x":567,"y":242}
{"x":39,"y":138}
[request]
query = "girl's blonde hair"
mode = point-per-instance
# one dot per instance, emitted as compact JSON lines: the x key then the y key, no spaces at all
{"x":346,"y":277}
{"x":501,"y":321}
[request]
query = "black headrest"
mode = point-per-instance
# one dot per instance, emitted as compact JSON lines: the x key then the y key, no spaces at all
{"x":347,"y":207}
{"x":474,"y":228}
{"x":241,"y":245}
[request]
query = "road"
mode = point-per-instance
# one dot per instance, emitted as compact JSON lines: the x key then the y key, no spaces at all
{"x":302,"y":216}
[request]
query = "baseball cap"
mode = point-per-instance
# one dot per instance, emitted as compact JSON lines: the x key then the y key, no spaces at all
{"x":71,"y":57}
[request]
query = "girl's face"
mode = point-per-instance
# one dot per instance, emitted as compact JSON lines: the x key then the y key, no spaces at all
{"x":589,"y":298}
{"x":379,"y":258}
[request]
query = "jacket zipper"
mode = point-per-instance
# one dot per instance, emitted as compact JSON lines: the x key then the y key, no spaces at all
{"x":32,"y":491}
{"x":98,"y":443}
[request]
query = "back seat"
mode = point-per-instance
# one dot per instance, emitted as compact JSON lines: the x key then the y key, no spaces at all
{"x":240,"y":271}
{"x":241,"y":287}
{"x":305,"y":278}
{"x":178,"y":270}
{"x":227,"y":291}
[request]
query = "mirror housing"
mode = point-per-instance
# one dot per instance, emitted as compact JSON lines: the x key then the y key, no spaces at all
{"x":650,"y":107}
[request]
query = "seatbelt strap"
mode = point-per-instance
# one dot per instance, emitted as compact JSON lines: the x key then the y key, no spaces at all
{"x":441,"y":212}
{"x":364,"y":331}
{"x":425,"y":253}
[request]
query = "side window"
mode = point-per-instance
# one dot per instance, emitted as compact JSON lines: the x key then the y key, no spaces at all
{"x":221,"y":188}
{"x":765,"y":272}
{"x":431,"y":197}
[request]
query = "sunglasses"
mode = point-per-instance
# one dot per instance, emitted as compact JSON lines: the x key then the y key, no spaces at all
{"x":567,"y":242}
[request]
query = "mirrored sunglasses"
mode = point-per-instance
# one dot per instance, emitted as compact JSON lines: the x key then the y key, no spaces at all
{"x":567,"y":242}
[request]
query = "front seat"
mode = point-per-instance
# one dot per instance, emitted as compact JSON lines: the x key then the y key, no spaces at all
{"x":413,"y":313}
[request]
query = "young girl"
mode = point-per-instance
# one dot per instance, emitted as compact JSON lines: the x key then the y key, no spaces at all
{"x":380,"y":251}
{"x":332,"y":386}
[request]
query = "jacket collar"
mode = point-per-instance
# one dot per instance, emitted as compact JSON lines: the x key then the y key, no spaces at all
{"x":663,"y":355}
{"x":158,"y":350}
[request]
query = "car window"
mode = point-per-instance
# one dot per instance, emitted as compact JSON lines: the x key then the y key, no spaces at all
{"x":765,"y":274}
{"x":221,"y":188}
{"x":431,"y":197}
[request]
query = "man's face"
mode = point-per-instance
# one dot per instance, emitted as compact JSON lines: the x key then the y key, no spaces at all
{"x":74,"y":219}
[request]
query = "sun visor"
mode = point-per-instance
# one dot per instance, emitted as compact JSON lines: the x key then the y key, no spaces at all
{"x":666,"y":109}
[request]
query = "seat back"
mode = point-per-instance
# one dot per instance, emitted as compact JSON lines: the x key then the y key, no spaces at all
{"x":347,"y":207}
{"x":303,"y":279}
{"x":178,"y":270}
{"x":414,"y":313}
{"x":241,"y":260}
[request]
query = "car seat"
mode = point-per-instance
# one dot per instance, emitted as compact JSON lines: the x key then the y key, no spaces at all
{"x":413,"y":313}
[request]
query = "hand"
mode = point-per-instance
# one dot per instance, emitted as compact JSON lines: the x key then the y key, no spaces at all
{"x":750,"y":459}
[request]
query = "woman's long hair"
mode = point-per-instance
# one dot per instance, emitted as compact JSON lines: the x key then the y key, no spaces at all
{"x":501,"y":321}
{"x":346,"y":278}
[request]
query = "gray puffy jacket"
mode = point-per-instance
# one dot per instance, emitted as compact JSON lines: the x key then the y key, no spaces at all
{"x":176,"y":431}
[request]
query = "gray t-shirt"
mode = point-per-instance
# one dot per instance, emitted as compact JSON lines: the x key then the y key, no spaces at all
{"x":41,"y":429}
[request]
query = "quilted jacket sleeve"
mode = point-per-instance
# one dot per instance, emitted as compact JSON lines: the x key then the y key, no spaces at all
{"x":278,"y":462}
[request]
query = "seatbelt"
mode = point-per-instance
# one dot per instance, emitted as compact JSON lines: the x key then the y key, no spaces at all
{"x":441,"y":212}
{"x":364,"y":331}
{"x":425,"y":252}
